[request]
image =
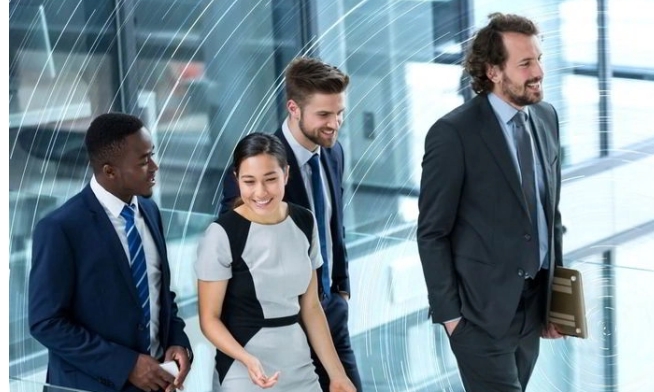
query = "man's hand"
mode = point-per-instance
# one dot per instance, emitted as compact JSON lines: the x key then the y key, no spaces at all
{"x":550,"y":332}
{"x":450,"y":326}
{"x":180,"y":356}
{"x":148,"y":375}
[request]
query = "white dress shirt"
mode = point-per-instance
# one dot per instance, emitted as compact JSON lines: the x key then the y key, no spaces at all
{"x":302,"y":155}
{"x":113,"y":206}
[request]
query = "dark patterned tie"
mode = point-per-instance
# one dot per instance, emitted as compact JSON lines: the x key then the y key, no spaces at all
{"x":319,"y":211}
{"x":139,"y":271}
{"x":526,"y":162}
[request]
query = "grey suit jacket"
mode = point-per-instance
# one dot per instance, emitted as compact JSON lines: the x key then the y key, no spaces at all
{"x":474,"y":230}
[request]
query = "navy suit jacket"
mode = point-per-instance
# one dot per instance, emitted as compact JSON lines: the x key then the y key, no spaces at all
{"x":295,"y":192}
{"x":474,"y":230}
{"x":83,"y":305}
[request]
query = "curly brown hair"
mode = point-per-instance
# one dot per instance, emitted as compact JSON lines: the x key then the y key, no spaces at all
{"x":306,"y":76}
{"x":487,"y":48}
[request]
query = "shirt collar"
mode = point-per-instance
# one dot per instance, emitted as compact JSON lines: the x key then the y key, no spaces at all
{"x":503,"y":110}
{"x":301,"y":154}
{"x":109,"y":201}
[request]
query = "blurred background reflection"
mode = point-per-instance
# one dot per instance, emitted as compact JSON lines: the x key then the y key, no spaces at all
{"x":203,"y":73}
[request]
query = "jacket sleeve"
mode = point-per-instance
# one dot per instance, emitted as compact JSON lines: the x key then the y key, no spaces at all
{"x":176,"y":336}
{"x":52,"y":287}
{"x":558,"y":225}
{"x":342,"y":281}
{"x":440,"y":190}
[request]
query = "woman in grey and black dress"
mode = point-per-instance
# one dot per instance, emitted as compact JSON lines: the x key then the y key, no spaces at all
{"x":257,"y":281}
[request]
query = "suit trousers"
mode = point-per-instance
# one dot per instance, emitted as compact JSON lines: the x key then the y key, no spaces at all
{"x":336,"y":310}
{"x":502,"y":364}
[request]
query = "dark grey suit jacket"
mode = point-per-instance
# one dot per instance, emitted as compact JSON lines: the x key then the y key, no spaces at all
{"x":474,"y":230}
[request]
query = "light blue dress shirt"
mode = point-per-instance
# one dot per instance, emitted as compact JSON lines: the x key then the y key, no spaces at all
{"x":505,"y":113}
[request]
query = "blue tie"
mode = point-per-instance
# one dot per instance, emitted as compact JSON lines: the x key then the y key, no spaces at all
{"x":319,"y":211}
{"x":139,"y":271}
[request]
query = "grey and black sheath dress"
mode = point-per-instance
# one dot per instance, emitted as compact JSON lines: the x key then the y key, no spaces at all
{"x":271,"y":267}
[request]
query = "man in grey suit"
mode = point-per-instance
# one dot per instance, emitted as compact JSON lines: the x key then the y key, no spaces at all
{"x":489,"y":229}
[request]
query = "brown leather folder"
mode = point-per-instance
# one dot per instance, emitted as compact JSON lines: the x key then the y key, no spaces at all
{"x":567,"y":307}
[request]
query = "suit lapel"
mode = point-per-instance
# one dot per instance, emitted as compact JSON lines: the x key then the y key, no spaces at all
{"x":157,"y":236}
{"x":326,"y":163}
{"x":540,"y":140}
{"x":493,"y":136}
{"x":112,"y":243}
{"x":154,"y":229}
{"x":295,"y":191}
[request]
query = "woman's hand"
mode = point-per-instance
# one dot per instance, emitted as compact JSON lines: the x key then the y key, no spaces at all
{"x":341,"y":384}
{"x":257,"y":375}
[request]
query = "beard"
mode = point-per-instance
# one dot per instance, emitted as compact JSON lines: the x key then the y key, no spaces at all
{"x":314,"y":135}
{"x":520,"y":95}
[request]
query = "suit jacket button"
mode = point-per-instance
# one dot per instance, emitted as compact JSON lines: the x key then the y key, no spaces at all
{"x":141,"y":327}
{"x":521,"y":273}
{"x":527,"y":237}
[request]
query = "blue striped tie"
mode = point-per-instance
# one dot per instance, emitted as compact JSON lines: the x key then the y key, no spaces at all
{"x":139,"y":271}
{"x":319,"y":211}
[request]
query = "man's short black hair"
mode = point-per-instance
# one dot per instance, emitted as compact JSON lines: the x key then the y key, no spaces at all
{"x":106,"y":135}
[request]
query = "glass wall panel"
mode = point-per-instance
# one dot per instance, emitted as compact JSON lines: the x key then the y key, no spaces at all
{"x":631,"y":106}
{"x":629,"y":22}
{"x":208,"y":72}
{"x":62,"y":72}
{"x":580,"y":125}
{"x":398,"y":89}
{"x":634,"y":314}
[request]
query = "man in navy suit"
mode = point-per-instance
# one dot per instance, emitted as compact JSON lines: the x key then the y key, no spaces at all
{"x":315,"y":93}
{"x":489,"y":228}
{"x":101,"y":334}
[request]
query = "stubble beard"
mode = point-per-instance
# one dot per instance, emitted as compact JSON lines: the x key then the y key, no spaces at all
{"x":524,"y":99}
{"x":316,"y":139}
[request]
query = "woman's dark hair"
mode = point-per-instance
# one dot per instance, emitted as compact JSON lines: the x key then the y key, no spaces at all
{"x":106,"y":136}
{"x":258,"y":143}
{"x":254,"y":144}
{"x":487,"y":48}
